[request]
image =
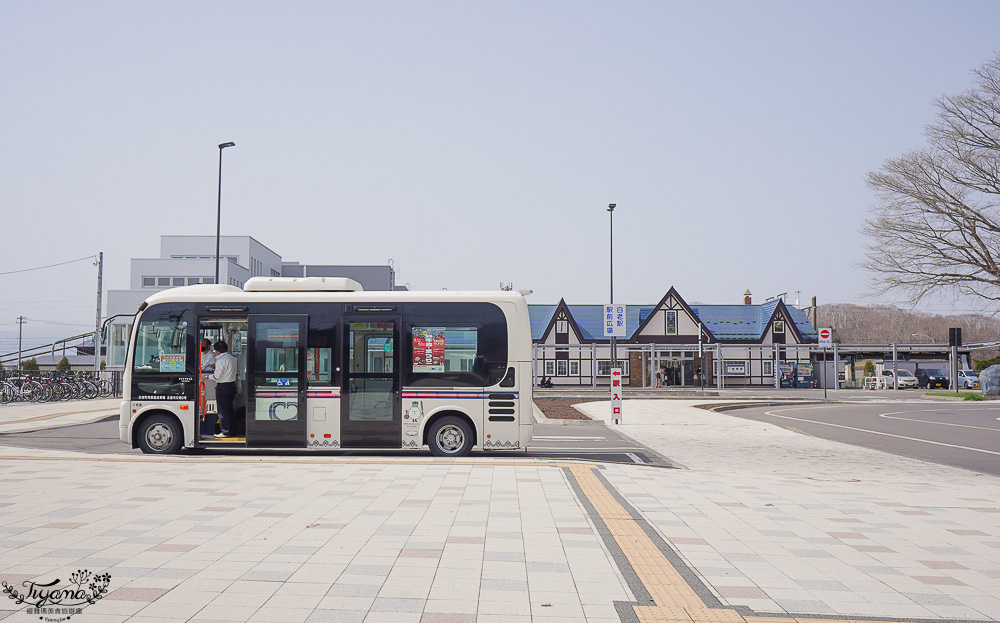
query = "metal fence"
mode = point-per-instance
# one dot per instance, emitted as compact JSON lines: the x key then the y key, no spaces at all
{"x":721,"y":366}
{"x":46,"y":386}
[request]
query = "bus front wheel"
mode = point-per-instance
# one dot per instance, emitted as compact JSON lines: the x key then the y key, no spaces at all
{"x":450,"y":436}
{"x":160,"y":434}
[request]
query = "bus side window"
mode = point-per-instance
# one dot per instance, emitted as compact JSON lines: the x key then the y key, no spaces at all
{"x":494,"y":344}
{"x":320,"y":367}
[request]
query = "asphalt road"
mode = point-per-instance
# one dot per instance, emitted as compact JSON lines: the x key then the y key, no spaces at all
{"x":960,"y":434}
{"x":594,"y":443}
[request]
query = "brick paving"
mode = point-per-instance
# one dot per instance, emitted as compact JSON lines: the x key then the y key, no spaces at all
{"x":761,"y":522}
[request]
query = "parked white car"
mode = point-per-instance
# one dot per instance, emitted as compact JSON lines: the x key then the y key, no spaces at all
{"x":906,"y":379}
{"x":968,"y":379}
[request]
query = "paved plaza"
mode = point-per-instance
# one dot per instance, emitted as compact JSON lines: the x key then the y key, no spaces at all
{"x":757,"y":524}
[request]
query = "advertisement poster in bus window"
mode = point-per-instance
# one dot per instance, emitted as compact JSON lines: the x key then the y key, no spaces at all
{"x":428,"y":349}
{"x":172,"y":363}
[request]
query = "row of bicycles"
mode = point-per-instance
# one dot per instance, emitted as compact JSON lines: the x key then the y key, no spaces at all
{"x":54,"y":388}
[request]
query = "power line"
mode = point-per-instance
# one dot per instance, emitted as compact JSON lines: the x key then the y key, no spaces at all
{"x":20,"y":308}
{"x":25,"y":270}
{"x":49,"y":301}
{"x":66,"y":324}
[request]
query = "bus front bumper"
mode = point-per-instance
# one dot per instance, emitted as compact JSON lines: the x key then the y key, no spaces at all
{"x":124,"y":417}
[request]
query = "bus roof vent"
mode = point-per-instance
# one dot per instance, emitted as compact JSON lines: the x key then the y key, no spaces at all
{"x":302,"y":284}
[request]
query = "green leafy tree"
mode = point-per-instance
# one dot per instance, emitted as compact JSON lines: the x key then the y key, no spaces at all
{"x":63,"y":365}
{"x":29,"y":365}
{"x":985,"y":363}
{"x":869,"y":368}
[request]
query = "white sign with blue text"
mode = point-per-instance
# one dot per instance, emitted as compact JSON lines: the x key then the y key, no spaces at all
{"x":614,"y":321}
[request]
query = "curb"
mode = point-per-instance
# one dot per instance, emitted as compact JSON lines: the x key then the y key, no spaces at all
{"x":54,"y":424}
{"x":541,"y":419}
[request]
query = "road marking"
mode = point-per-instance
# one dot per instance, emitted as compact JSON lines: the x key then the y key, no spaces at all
{"x":566,"y":437}
{"x":576,"y":449}
{"x":634,"y":457}
{"x":889,"y":415}
{"x":875,"y":432}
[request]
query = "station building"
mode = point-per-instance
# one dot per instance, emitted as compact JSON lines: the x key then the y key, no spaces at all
{"x":672,"y":343}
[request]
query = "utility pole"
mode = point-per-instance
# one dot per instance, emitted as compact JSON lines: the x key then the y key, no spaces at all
{"x":97,"y":325}
{"x":20,"y":323}
{"x":701,"y":361}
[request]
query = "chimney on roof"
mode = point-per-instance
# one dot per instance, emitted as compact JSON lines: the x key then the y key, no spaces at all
{"x":746,"y":297}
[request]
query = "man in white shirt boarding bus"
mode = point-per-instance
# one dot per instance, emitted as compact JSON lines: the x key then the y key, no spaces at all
{"x":225,"y":386}
{"x":207,"y":356}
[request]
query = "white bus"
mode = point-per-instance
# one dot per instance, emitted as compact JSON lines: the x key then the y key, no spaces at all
{"x":324,"y":365}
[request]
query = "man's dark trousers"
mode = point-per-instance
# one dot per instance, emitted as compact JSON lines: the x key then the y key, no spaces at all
{"x":225,"y":393}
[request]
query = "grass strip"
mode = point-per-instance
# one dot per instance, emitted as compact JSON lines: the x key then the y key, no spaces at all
{"x":962,"y":395}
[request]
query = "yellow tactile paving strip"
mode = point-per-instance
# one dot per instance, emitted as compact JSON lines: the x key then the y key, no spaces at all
{"x":676,"y":601}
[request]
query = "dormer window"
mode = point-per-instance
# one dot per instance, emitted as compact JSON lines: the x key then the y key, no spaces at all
{"x":562,"y":326}
{"x":779,"y":326}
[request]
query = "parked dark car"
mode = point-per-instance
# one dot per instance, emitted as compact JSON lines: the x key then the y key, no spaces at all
{"x":932,"y":377}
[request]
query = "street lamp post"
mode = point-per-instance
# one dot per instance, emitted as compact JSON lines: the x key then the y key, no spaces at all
{"x":218,"y":217}
{"x":611,"y":232}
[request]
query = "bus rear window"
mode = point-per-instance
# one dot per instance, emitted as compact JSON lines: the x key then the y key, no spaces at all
{"x":161,"y":346}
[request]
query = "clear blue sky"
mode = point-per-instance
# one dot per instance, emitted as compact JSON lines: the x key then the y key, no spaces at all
{"x":471,"y":142}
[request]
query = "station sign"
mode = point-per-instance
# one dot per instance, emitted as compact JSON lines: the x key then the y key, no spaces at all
{"x":737,"y":368}
{"x":614,"y":320}
{"x":616,"y":395}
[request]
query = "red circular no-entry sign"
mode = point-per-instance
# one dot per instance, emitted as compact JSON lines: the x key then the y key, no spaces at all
{"x":824,"y":334}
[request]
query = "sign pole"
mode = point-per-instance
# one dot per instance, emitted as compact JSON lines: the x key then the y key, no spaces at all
{"x":614,"y":326}
{"x":824,"y":373}
{"x":825,"y":341}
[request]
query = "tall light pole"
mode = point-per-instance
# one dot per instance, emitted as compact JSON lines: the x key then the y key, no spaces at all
{"x":97,"y":326}
{"x":611,"y":231}
{"x":218,"y":218}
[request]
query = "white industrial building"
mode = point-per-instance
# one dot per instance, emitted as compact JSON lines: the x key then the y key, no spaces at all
{"x":190,"y":260}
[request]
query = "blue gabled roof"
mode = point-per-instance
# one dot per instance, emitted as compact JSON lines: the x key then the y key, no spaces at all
{"x":645,"y":311}
{"x":540,"y":315}
{"x":725,"y":322}
{"x":749,"y":322}
{"x":730,"y":322}
{"x":767,"y":310}
{"x":806,"y":330}
{"x":589,"y":319}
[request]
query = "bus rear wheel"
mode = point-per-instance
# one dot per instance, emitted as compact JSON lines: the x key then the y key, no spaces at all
{"x":160,"y":434}
{"x":450,"y":436}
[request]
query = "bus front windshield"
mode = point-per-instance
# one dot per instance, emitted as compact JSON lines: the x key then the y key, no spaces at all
{"x":161,"y":346}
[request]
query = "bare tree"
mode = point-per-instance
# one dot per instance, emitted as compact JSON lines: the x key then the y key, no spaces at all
{"x":888,"y":324}
{"x":936,"y":226}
